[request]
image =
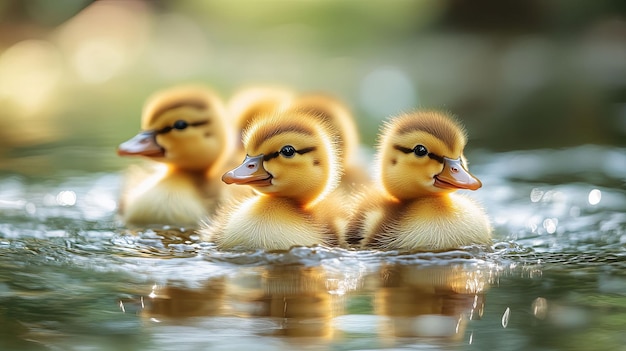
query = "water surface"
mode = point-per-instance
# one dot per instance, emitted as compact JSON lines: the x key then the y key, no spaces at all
{"x":73,"y":278}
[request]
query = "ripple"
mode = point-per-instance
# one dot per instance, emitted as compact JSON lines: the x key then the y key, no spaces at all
{"x":544,"y":208}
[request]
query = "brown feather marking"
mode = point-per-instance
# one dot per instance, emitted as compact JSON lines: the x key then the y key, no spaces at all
{"x":269,"y":130}
{"x":438,"y":124}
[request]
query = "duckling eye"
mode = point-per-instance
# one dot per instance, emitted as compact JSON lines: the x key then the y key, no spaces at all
{"x":288,"y":151}
{"x":420,"y":150}
{"x":180,"y":125}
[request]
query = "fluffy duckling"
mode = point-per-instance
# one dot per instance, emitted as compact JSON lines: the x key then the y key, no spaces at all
{"x":184,"y":131}
{"x":292,"y":163}
{"x":420,"y":164}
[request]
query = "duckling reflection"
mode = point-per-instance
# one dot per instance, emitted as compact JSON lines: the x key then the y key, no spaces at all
{"x":296,"y":297}
{"x":434,"y":301}
{"x":297,"y":300}
{"x":178,"y":302}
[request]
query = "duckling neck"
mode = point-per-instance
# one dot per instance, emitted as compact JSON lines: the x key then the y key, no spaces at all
{"x":198,"y":183}
{"x":438,"y":203}
{"x":412,"y":195}
{"x":195,"y":173}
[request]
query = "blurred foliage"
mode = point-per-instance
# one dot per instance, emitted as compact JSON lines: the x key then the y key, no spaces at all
{"x":520,"y":74}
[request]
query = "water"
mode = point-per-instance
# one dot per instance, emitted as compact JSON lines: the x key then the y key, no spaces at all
{"x":73,"y":278}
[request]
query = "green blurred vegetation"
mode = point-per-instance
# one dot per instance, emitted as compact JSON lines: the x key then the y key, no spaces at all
{"x":520,"y":74}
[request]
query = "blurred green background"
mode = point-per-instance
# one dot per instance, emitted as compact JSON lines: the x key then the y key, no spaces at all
{"x":521,"y":74}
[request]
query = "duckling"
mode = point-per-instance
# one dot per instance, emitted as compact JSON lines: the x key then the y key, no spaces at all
{"x":184,"y":131}
{"x":292,"y":163}
{"x":420,"y":166}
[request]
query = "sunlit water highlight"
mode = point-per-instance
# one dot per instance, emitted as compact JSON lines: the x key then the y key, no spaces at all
{"x":73,"y":278}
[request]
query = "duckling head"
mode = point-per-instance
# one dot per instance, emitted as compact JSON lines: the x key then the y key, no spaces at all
{"x":183,"y":127}
{"x":289,"y":154}
{"x":421,"y":154}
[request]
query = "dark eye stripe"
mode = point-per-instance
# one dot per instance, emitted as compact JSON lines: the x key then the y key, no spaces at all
{"x":435,"y":157}
{"x":179,"y":125}
{"x":431,"y":155}
{"x":406,"y":150}
{"x":277,"y":153}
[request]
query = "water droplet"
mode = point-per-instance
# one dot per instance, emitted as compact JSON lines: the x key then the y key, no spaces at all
{"x":540,"y":307}
{"x":505,"y":317}
{"x":550,"y":225}
{"x":595,"y":196}
{"x":536,"y":194}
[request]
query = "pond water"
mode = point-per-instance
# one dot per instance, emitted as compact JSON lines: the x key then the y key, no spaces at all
{"x":73,"y":278}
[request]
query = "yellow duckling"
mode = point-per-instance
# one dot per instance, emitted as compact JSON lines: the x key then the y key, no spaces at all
{"x":292,"y":163}
{"x":420,"y":163}
{"x":184,"y":130}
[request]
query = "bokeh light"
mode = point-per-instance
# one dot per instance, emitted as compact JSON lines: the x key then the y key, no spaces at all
{"x":29,"y":73}
{"x":595,"y":196}
{"x":104,"y":39}
{"x":66,"y":198}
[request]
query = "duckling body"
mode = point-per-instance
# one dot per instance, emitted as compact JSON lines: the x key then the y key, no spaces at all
{"x":187,"y":139}
{"x":170,"y":198}
{"x":275,"y":224}
{"x":425,"y":224}
{"x":292,"y":163}
{"x":420,"y":165}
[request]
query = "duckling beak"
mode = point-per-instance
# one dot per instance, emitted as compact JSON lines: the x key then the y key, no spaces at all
{"x":250,"y":172}
{"x":142,"y":144}
{"x":455,"y":176}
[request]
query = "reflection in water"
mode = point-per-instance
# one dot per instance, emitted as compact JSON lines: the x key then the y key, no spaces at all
{"x":295,"y":296}
{"x":296,"y":299}
{"x":65,"y":266}
{"x":174,"y":301}
{"x":297,"y":302}
{"x":429,"y":301}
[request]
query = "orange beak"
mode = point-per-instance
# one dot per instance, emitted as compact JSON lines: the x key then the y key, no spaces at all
{"x":250,"y":172}
{"x":455,"y":176}
{"x":142,"y":144}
